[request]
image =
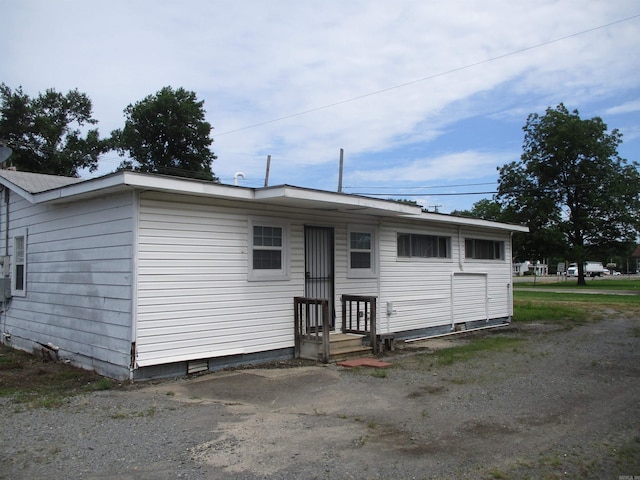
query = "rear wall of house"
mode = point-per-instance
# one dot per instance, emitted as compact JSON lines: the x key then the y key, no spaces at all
{"x":78,"y":282}
{"x":426,"y":293}
{"x":196,"y":299}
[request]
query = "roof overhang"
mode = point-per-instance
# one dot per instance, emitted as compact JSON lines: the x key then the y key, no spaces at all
{"x":283,"y":195}
{"x":309,"y":199}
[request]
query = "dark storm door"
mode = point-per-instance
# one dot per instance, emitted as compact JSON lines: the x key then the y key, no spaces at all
{"x":319,"y":269}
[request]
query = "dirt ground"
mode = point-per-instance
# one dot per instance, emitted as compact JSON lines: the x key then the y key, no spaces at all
{"x":544,"y":402}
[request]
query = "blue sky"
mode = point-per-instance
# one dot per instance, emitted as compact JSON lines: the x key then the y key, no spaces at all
{"x":427,"y":99}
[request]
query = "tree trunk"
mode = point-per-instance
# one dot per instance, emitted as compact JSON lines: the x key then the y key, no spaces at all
{"x":581,"y":279}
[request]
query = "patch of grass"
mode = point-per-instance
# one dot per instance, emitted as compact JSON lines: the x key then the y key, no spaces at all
{"x":577,"y":297}
{"x":34,"y":383}
{"x":570,"y":308}
{"x":539,"y":311}
{"x":628,"y":456}
{"x":103,"y":384}
{"x":149,"y":412}
{"x":497,"y":474}
{"x":462,"y":353}
{"x":379,"y":373}
{"x":592,"y":284}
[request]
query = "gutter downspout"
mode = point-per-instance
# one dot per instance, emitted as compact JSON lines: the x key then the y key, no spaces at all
{"x":453,"y":274}
{"x":7,"y":197}
{"x":460,"y":249}
{"x":134,"y":281}
{"x":510,"y":284}
{"x":378,"y":274}
{"x":453,"y":303}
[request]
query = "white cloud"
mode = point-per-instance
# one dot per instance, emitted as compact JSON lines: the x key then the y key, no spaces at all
{"x":254,"y":61}
{"x":627,"y":107}
{"x":426,"y":171}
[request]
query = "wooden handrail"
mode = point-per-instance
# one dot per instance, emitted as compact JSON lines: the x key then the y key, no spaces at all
{"x":364,"y":322}
{"x":307,"y":313}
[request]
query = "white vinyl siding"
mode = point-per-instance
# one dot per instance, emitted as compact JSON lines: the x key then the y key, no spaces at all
{"x":79,"y":274}
{"x":194,"y":297}
{"x":440,"y":291}
{"x":470,"y":296}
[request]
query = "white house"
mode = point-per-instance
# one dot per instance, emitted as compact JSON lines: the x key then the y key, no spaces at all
{"x":538,"y":268}
{"x":138,"y":275}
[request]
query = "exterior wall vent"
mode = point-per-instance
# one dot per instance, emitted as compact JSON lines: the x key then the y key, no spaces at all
{"x":197,"y":366}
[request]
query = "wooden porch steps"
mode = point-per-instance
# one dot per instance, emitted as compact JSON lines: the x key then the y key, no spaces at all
{"x":344,"y":346}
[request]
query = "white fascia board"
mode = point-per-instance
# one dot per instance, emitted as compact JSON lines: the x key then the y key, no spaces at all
{"x":187,"y":186}
{"x":132,"y":180}
{"x":288,"y":195}
{"x":20,"y":191}
{"x":473,"y":222}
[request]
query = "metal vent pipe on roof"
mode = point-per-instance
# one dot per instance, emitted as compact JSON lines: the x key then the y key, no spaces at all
{"x":235,"y":177}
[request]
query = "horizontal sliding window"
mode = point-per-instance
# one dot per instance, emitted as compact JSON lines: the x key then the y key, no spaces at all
{"x":479,"y":249}
{"x":412,"y":245}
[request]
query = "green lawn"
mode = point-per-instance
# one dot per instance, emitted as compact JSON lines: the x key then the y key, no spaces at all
{"x":575,"y":308}
{"x":632,"y":284}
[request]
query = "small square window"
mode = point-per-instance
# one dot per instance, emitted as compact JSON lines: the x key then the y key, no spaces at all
{"x":268,"y":253}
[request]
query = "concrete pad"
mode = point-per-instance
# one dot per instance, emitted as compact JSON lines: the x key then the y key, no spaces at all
{"x":273,"y":387}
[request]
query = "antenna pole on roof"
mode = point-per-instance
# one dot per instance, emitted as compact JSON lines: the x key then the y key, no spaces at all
{"x":266,"y":177}
{"x":340,"y":173}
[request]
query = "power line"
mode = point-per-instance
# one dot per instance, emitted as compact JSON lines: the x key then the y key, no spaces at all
{"x":371,"y":194}
{"x":430,"y":77}
{"x":428,"y":186}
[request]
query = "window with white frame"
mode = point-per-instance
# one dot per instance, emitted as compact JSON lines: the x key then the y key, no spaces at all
{"x":361,"y":251}
{"x":480,"y":249}
{"x":412,"y":245}
{"x":268,"y":258}
{"x":19,"y":281}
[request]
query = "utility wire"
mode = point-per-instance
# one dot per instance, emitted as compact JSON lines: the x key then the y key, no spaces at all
{"x":428,"y":186}
{"x":370,"y":194}
{"x":430,"y":77}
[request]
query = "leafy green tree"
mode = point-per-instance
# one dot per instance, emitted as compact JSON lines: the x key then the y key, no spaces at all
{"x":167,"y":133}
{"x":46,"y":133}
{"x":485,"y":209}
{"x":526,"y":246}
{"x":571,"y":185}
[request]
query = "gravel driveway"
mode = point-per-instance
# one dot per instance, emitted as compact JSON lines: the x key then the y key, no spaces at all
{"x":555,"y":403}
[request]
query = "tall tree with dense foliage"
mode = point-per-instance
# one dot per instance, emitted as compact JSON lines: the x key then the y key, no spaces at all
{"x":570,"y":182}
{"x":167,"y":133}
{"x":538,"y":244}
{"x":485,"y":209}
{"x":48,"y":134}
